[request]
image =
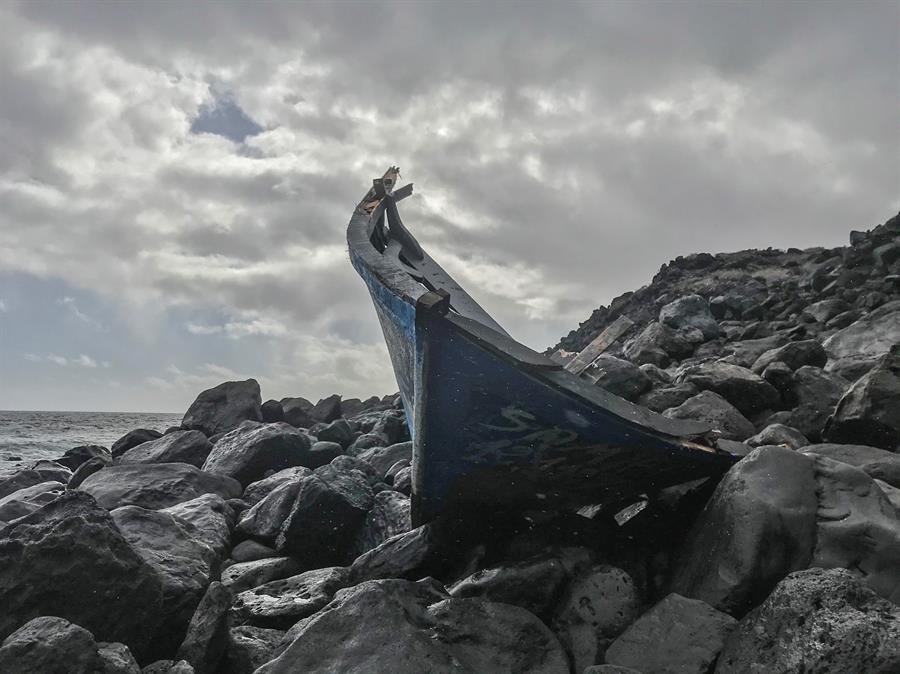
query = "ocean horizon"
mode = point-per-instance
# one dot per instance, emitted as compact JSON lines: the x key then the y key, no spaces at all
{"x":27,"y":436}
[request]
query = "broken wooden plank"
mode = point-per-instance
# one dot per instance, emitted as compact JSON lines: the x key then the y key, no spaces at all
{"x":601,"y":343}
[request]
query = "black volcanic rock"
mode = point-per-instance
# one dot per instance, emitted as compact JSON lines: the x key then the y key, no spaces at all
{"x":69,"y":559}
{"x":816,"y":621}
{"x":224,"y":407}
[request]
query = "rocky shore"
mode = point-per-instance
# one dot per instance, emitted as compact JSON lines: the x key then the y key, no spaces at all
{"x":276,"y":537}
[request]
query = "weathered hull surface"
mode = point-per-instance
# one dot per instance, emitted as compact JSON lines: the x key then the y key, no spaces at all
{"x":493,"y":422}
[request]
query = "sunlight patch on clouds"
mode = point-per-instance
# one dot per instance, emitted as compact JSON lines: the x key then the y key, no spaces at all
{"x":259,"y":327}
{"x":527,"y":287}
{"x":81,"y":360}
{"x":193,"y":381}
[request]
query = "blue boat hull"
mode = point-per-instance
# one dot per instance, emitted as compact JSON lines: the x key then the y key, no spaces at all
{"x":495,"y":424}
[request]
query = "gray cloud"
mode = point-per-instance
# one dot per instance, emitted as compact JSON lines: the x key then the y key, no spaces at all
{"x":560,"y":155}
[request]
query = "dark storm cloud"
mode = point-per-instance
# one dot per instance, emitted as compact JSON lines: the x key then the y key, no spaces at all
{"x":560,"y":155}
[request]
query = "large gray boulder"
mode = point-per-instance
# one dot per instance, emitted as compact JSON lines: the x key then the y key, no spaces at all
{"x":174,"y":549}
{"x":390,"y":515}
{"x":246,"y":575}
{"x":691,"y":311}
{"x":747,"y":391}
{"x":778,"y":511}
{"x":418,"y":629}
{"x":745,"y":352}
{"x":619,"y":377}
{"x":117,"y":659}
{"x":596,"y":607}
{"x":281,"y":603}
{"x":535,"y":584}
{"x":212,"y":519}
{"x":50,"y":645}
{"x":249,"y":648}
{"x":327,"y":409}
{"x":78,"y":455}
{"x":816,"y":621}
{"x":869,"y":412}
{"x":338,"y":431}
{"x":207,"y":634}
{"x":666,"y":397}
{"x":779,"y":434}
{"x":330,"y":509}
{"x":677,"y":636}
{"x":824,"y":310}
{"x":257,"y":491}
{"x":179,"y":447}
{"x":658,"y":344}
{"x":297,"y":412}
{"x":713,"y":409}
{"x":157,"y":485}
{"x":223,"y":407}
{"x":28,"y":500}
{"x":103,"y":584}
{"x":813,"y":394}
{"x":382,"y":458}
{"x":133,"y":439}
{"x":875,"y":462}
{"x":252,"y":449}
{"x":26,"y":478}
{"x":413,"y":555}
{"x":271,"y":410}
{"x":793,"y":354}
{"x":264,"y":520}
{"x":871,"y":336}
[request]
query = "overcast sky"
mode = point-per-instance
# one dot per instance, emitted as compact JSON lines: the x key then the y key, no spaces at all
{"x":176,"y":178}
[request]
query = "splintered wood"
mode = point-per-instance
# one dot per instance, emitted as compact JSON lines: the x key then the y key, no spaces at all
{"x":600,"y":344}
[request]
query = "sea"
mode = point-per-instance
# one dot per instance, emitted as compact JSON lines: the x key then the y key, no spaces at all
{"x":26,"y":437}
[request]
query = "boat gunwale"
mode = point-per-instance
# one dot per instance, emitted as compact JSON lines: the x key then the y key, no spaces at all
{"x":398,"y":281}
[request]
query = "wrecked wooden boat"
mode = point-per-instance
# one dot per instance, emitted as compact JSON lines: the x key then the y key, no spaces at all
{"x":494,"y":423}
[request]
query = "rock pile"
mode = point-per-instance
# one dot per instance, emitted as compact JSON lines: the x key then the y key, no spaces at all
{"x":276,"y":536}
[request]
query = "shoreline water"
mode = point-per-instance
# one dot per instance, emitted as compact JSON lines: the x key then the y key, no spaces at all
{"x":32,"y":435}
